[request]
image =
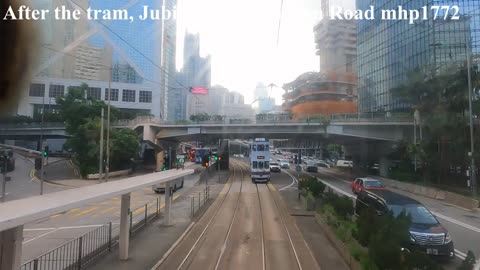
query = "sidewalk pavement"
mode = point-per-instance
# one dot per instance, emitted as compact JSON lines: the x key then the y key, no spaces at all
{"x":76,"y":183}
{"x":150,"y":244}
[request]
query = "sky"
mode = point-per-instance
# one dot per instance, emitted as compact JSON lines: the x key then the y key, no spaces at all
{"x":241,"y":37}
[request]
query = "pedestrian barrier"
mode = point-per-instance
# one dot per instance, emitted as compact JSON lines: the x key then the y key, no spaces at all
{"x":80,"y":252}
{"x":198,"y":200}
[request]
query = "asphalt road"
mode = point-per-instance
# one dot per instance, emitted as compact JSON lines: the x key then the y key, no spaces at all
{"x":247,"y":227}
{"x":23,"y":184}
{"x":49,"y":233}
{"x":462,"y":224}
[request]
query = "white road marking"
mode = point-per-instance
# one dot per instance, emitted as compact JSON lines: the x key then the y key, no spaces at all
{"x":475,"y":229}
{"x":294,"y":181}
{"x":65,"y":228}
{"x":459,"y":223}
{"x":458,"y":253}
{"x":40,"y":236}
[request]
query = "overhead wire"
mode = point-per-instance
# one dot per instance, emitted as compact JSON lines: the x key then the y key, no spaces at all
{"x":142,"y":54}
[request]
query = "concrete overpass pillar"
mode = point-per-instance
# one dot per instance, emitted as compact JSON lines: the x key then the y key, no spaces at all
{"x":384,"y":166}
{"x":168,"y":203}
{"x":124,"y":237}
{"x":11,"y":248}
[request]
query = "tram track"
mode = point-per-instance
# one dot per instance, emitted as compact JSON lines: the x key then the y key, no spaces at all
{"x":246,"y":230}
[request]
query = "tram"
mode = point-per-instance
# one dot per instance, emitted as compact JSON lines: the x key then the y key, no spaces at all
{"x":260,"y":160}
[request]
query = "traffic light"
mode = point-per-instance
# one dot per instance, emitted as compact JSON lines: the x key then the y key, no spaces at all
{"x":215,"y":158}
{"x":300,"y":158}
{"x":205,"y":161}
{"x":295,"y":159}
{"x":45,"y":151}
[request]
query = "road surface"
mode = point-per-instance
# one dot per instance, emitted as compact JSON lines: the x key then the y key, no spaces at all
{"x":23,"y":185}
{"x":247,"y":227}
{"x":49,"y":233}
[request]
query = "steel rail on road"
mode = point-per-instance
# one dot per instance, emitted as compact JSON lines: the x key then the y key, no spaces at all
{"x":264,"y":263}
{"x":217,"y":210}
{"x":242,"y":176}
{"x":282,"y":218}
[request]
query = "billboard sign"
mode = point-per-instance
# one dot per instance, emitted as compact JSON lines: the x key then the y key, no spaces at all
{"x":199,"y":90}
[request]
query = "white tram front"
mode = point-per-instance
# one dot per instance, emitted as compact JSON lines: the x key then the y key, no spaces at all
{"x":260,"y":160}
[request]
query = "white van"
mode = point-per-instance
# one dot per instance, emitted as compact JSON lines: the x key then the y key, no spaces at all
{"x":344,"y":163}
{"x":175,"y":184}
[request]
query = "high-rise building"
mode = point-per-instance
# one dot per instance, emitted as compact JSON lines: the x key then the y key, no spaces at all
{"x":336,"y":42}
{"x":231,"y":105}
{"x":389,"y":49}
{"x":333,"y":90}
{"x":138,"y":56}
{"x":197,"y":72}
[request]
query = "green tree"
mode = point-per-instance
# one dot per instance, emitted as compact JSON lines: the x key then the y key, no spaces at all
{"x":123,"y":147}
{"x":82,"y":122}
{"x":200,"y":117}
{"x":441,"y":99}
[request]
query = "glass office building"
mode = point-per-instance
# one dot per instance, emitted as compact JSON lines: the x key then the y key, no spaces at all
{"x":143,"y":50}
{"x":388,"y":49}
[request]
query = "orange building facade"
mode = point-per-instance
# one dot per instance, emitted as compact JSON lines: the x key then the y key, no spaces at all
{"x":317,"y":94}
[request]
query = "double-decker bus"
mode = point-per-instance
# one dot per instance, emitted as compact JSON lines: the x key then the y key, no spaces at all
{"x":260,"y":160}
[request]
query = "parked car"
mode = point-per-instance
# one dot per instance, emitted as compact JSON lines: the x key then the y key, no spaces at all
{"x":275,"y":167}
{"x":175,"y":185}
{"x":366,"y":183}
{"x":344,"y":163}
{"x":427,"y":235}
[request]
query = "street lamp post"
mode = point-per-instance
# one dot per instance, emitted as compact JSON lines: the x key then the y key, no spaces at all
{"x":107,"y":169}
{"x":470,"y":112}
{"x":100,"y":163}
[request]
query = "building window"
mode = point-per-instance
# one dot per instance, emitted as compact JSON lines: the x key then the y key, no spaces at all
{"x":37,"y":90}
{"x":56,"y":90}
{"x":145,"y":97}
{"x":128,"y":95}
{"x":113,"y":94}
{"x":94,"y":92}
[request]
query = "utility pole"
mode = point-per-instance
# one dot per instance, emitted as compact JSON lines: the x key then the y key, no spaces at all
{"x":42,"y":146}
{"x":100,"y":163}
{"x":470,"y":112}
{"x":107,"y":167}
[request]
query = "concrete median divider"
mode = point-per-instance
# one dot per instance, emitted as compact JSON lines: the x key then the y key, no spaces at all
{"x":434,"y":193}
{"x":341,"y":248}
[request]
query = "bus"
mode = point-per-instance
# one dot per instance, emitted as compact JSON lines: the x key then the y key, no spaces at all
{"x":200,"y":153}
{"x":260,"y":160}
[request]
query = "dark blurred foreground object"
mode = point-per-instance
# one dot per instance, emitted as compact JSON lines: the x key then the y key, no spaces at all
{"x":17,"y":51}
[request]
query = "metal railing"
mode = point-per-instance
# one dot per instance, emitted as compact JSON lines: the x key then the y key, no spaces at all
{"x":80,"y":252}
{"x":198,"y":200}
{"x":348,"y":117}
{"x":33,"y":125}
